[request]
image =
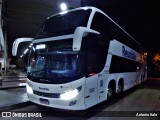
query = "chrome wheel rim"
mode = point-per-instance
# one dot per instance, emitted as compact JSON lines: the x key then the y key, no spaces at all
{"x":110,"y":92}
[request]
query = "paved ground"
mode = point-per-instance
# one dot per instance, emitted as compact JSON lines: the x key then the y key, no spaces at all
{"x":13,"y":96}
{"x":12,"y":79}
{"x":141,"y":99}
{"x":12,"y":90}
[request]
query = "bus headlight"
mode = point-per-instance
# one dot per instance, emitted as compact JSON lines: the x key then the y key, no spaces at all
{"x":70,"y":94}
{"x":29,"y":89}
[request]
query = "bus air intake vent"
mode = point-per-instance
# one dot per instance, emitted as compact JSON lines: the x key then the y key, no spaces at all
{"x":49,"y":95}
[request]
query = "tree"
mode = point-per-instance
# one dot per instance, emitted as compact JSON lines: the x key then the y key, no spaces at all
{"x":156,"y":62}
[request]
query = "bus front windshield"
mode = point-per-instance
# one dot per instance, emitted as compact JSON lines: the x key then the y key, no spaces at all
{"x":54,"y":66}
{"x":63,"y":24}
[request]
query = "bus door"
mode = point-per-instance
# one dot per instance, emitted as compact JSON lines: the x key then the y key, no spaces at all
{"x":91,"y":90}
{"x":91,"y":79}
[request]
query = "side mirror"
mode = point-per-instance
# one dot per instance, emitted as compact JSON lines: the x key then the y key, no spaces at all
{"x":16,"y":43}
{"x":78,"y":34}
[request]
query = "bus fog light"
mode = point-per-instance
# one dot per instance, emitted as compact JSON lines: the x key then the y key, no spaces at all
{"x":29,"y":89}
{"x":69,"y":95}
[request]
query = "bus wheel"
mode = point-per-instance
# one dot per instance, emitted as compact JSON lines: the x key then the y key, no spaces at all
{"x":111,"y":89}
{"x":110,"y":92}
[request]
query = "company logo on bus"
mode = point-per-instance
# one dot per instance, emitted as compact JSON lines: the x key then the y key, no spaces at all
{"x":128,"y":54}
{"x":41,"y":88}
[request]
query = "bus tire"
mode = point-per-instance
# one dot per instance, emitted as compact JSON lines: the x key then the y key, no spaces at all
{"x":111,"y":90}
{"x":110,"y":93}
{"x":120,"y":87}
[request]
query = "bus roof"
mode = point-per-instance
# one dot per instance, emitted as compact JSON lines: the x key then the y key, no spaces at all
{"x":94,"y":9}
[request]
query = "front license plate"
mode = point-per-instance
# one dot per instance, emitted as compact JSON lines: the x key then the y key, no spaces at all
{"x":44,"y":101}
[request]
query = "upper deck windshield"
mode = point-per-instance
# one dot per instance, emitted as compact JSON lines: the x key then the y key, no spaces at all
{"x":63,"y":24}
{"x":54,"y":63}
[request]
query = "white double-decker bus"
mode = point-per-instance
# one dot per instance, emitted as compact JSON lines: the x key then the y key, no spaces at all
{"x":80,"y":58}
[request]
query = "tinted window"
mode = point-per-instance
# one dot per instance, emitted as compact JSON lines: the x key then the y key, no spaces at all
{"x":55,"y":63}
{"x":101,"y":24}
{"x":96,"y":46}
{"x":63,"y":24}
{"x":120,"y":64}
{"x":121,"y":36}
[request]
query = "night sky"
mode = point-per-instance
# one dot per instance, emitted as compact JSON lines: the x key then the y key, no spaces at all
{"x":138,"y":17}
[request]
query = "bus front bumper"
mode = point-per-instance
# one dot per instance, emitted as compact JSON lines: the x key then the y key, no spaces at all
{"x":76,"y":103}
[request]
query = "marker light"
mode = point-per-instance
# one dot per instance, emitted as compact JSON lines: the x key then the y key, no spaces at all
{"x":41,"y":46}
{"x":91,"y":74}
{"x":70,"y":94}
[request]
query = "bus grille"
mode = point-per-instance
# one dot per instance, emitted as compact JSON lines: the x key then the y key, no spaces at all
{"x":49,"y":95}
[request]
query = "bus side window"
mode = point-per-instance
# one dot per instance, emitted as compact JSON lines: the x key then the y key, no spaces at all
{"x":96,"y":46}
{"x":101,"y":24}
{"x":95,"y":57}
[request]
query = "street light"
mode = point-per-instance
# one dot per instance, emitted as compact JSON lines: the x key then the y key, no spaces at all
{"x":63,"y":6}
